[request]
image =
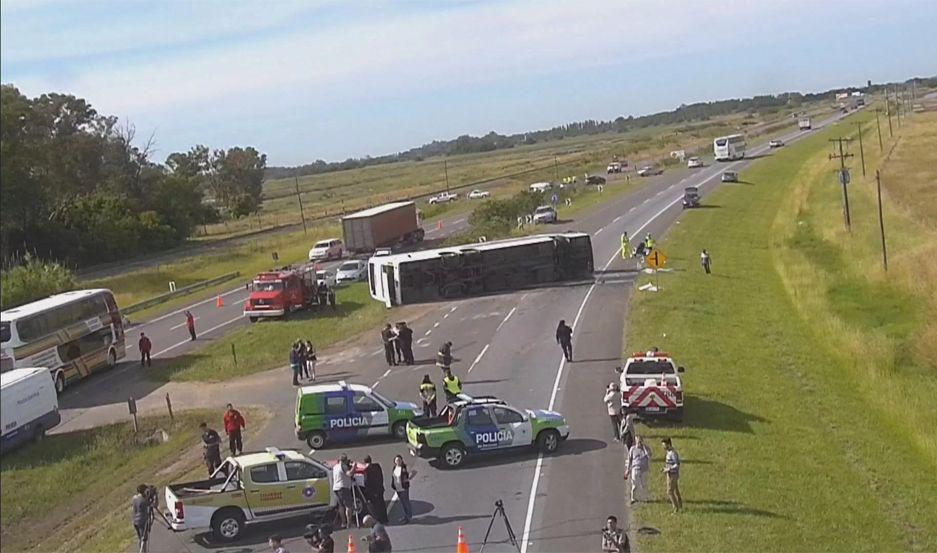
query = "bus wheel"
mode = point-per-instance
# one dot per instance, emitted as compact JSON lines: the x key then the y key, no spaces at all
{"x":111,"y":359}
{"x":59,"y":383}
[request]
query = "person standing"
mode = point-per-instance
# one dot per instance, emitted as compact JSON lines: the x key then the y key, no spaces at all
{"x":444,"y":356}
{"x":405,"y":335}
{"x":233,"y":424}
{"x":211,"y":448}
{"x":627,"y":427}
{"x":341,"y":486}
{"x":145,"y":346}
{"x":140,"y":512}
{"x":648,"y":243}
{"x":387,"y":338}
{"x":614,"y":539}
{"x":400,"y":483}
{"x":190,"y":323}
{"x":276,"y":544}
{"x":294,"y":362}
{"x":637,"y":467}
{"x":332,"y":301}
{"x":378,"y":540}
{"x":428,"y":393}
{"x":625,"y":245}
{"x":672,"y":471}
{"x":311,"y":360}
{"x":564,"y":337}
{"x":303,"y":367}
{"x":705,"y":262}
{"x":613,"y":405}
{"x":398,"y":344}
{"x":452,"y":385}
{"x":374,"y":489}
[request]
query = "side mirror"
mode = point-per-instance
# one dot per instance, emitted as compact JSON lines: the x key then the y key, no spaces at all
{"x":681,"y":369}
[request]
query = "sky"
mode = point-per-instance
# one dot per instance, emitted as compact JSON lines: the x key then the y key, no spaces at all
{"x":324,"y":79}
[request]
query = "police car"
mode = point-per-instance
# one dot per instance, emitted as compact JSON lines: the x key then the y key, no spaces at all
{"x":651,"y":386}
{"x":253,"y":487}
{"x":343,"y":412}
{"x":481,"y":425}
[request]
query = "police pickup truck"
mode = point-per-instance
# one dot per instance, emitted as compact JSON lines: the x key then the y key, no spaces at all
{"x":343,"y":412}
{"x":483,"y":424}
{"x":651,"y":386}
{"x":253,"y":487}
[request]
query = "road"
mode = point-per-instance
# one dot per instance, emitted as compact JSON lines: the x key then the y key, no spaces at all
{"x":505,"y":347}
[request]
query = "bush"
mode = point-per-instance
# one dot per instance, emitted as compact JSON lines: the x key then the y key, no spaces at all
{"x":496,"y":218}
{"x":32,"y":280}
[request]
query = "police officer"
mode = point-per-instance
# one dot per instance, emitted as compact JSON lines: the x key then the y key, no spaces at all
{"x":388,"y":337}
{"x":452,"y":385}
{"x":649,"y":242}
{"x":211,"y":448}
{"x":428,"y":393}
{"x":444,"y":356}
{"x":564,"y":337}
{"x":625,"y":245}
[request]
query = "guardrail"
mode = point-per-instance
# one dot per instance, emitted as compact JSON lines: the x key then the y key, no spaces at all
{"x":156,"y":300}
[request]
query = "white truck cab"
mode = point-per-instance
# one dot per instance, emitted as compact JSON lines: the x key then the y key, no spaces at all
{"x":651,"y":386}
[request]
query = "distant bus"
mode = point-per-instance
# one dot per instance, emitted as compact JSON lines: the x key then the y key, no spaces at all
{"x":482,"y":268}
{"x":72,"y":334}
{"x":729,"y":148}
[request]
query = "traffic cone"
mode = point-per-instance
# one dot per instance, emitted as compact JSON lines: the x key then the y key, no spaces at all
{"x":219,"y":303}
{"x":439,"y":225}
{"x":461,"y":546}
{"x":351,"y":544}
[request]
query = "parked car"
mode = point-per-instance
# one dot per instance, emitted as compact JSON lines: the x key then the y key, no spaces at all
{"x":328,"y":277}
{"x":613,"y":167}
{"x":479,"y":194}
{"x":649,"y":170}
{"x":327,"y":249}
{"x":776,"y":143}
{"x":595,"y":180}
{"x":694,"y":162}
{"x":444,"y":197}
{"x":730,"y":176}
{"x":544,"y":214}
{"x":352,"y":271}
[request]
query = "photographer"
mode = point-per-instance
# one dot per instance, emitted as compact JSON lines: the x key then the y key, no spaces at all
{"x":614,"y":539}
{"x":140,"y":507}
{"x":319,"y":538}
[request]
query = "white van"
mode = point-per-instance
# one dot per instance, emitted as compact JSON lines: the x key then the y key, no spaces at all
{"x":540,"y":186}
{"x":29,"y":406}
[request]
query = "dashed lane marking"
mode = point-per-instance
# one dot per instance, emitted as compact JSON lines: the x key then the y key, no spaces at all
{"x":479,"y":358}
{"x":508,"y":316}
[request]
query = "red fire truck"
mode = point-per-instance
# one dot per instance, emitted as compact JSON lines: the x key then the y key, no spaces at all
{"x":277,"y":293}
{"x":650,"y":384}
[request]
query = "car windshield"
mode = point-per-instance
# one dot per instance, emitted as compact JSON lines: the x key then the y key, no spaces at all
{"x":352,"y":266}
{"x":544,"y":210}
{"x":267,"y":285}
{"x":382,"y":399}
{"x":649,"y":366}
{"x":323,"y":244}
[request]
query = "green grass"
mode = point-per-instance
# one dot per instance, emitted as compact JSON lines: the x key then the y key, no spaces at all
{"x":265,"y":345}
{"x":787,"y":443}
{"x":72,"y":491}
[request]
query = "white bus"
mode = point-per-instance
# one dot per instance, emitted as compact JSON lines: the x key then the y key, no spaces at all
{"x":729,"y":148}
{"x":72,"y":334}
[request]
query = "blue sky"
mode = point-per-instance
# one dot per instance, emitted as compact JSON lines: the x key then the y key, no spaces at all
{"x":331,"y":79}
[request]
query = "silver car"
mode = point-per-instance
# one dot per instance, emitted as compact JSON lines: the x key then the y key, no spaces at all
{"x":544,"y":214}
{"x":351,"y":271}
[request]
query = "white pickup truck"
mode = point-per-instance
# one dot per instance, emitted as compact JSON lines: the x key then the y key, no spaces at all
{"x":651,"y":386}
{"x":444,"y":197}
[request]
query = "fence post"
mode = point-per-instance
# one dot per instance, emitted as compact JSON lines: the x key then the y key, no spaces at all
{"x":132,"y":407}
{"x":234,"y":355}
{"x":169,"y":406}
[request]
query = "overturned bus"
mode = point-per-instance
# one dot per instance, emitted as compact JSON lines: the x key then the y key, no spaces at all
{"x":482,"y":268}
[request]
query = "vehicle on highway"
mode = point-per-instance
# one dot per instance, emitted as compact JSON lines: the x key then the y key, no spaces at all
{"x":277,"y":293}
{"x":650,"y":170}
{"x":326,"y":249}
{"x":595,"y":180}
{"x":728,"y":148}
{"x":544,"y":214}
{"x":482,"y":425}
{"x":804,"y":124}
{"x":613,"y":167}
{"x":541,"y":186}
{"x":694,"y":162}
{"x":352,"y":271}
{"x":252,"y":487}
{"x":479,"y":194}
{"x":384,"y":226}
{"x":480,"y":268}
{"x":343,"y":412}
{"x":326,"y":277}
{"x":776,"y":143}
{"x":730,"y":176}
{"x":444,"y":197}
{"x":28,"y":406}
{"x":651,"y":386}
{"x":73,"y":334}
{"x":690,"y":197}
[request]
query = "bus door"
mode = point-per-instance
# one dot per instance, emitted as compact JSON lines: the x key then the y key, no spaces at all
{"x":390,"y":286}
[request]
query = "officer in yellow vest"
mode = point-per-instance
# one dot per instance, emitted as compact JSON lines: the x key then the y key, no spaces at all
{"x":648,"y":242}
{"x":428,"y":393}
{"x":452,"y":385}
{"x":625,"y":245}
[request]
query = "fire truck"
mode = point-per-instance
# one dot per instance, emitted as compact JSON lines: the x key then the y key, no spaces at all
{"x":278,"y":292}
{"x":651,"y":386}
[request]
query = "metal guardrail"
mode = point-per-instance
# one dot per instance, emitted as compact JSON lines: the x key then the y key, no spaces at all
{"x":185,"y":290}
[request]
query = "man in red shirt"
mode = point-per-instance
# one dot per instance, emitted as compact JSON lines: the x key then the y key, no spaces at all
{"x":190,"y":323}
{"x":145,"y":346}
{"x":233,"y":423}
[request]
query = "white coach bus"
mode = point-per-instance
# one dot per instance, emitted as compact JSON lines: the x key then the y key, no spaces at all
{"x":729,"y":148}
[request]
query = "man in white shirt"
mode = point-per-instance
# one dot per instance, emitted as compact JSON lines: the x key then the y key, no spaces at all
{"x":613,"y":405}
{"x":341,"y":486}
{"x":637,"y":467}
{"x":672,"y":470}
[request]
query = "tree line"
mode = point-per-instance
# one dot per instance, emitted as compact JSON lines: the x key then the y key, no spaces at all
{"x":76,"y":188}
{"x":465,"y":144}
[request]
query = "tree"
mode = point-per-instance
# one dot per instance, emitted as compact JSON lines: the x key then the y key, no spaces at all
{"x":33,"y":279}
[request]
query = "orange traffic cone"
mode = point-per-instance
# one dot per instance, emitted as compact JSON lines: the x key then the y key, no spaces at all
{"x":461,"y":546}
{"x":439,"y":225}
{"x":351,"y":544}
{"x":219,"y":302}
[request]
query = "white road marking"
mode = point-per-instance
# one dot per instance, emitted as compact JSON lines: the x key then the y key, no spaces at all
{"x":616,"y":219}
{"x":632,"y":209}
{"x":376,"y":382}
{"x":190,"y":307}
{"x":180,"y":325}
{"x":454,"y":307}
{"x":599,"y":231}
{"x":508,"y":316}
{"x":378,"y":352}
{"x":479,"y":358}
{"x":446,"y":316}
{"x":428,"y":332}
{"x":387,"y":372}
{"x":436,"y":324}
{"x":204,"y":332}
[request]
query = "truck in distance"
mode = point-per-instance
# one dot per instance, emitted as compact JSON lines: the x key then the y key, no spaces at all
{"x":384,"y":226}
{"x":804,"y":124}
{"x":277,"y":293}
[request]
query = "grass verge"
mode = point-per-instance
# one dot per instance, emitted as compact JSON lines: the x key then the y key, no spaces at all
{"x":265,"y":345}
{"x":785,"y":446}
{"x":72,"y":491}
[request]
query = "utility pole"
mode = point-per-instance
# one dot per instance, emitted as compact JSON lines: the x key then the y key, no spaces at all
{"x":843,"y":178}
{"x":861,"y":151}
{"x":878,"y":126}
{"x":300,"y":198}
{"x":897,"y":107}
{"x":881,"y":220}
{"x":556,"y":169}
{"x":445,"y":167}
{"x":891,"y":134}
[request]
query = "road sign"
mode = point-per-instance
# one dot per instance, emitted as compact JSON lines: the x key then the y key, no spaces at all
{"x":656,"y":259}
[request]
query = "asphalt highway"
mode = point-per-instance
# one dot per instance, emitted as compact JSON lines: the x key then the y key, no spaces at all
{"x":505,"y":346}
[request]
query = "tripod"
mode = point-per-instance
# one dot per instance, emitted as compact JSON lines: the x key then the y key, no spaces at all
{"x":145,"y":539}
{"x":499,"y":511}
